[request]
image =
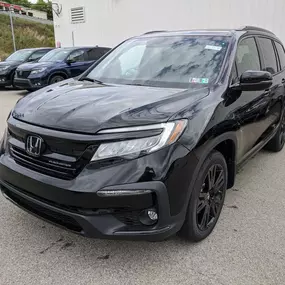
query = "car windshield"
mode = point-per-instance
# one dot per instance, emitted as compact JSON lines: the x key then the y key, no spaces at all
{"x":174,"y":61}
{"x":55,"y":55}
{"x":20,"y":55}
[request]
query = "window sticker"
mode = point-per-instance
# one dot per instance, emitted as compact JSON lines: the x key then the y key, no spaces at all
{"x":199,"y":80}
{"x":217,"y":48}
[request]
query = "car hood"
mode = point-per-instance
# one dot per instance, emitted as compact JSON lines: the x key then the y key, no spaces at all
{"x":86,"y":107}
{"x":10,"y":63}
{"x":35,"y":65}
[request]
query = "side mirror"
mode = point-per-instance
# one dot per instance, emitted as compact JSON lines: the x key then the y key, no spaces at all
{"x":70,"y":61}
{"x":254,"y":81}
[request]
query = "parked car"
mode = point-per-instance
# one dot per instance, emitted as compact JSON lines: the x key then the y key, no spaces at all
{"x":146,"y":142}
{"x":57,"y":65}
{"x":8,"y":67}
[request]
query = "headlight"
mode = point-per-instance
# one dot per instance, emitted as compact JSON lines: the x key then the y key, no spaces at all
{"x":3,"y":142}
{"x":3,"y":68}
{"x":133,"y":148}
{"x":35,"y":71}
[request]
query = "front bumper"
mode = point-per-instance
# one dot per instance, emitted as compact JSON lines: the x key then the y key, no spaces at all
{"x":99,"y":225}
{"x":33,"y":84}
{"x":81,"y":210}
{"x":5,"y":81}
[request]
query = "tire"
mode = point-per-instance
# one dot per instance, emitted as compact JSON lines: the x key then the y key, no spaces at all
{"x":205,"y":206}
{"x":276,"y":144}
{"x":56,"y":78}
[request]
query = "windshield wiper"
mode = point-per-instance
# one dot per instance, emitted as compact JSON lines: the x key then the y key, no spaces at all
{"x":91,"y":80}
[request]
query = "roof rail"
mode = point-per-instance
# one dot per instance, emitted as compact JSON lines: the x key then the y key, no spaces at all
{"x":152,"y":32}
{"x":252,"y":28}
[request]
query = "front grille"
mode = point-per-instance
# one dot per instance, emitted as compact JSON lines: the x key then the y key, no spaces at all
{"x":45,"y":165}
{"x":47,"y":214}
{"x":23,"y":74}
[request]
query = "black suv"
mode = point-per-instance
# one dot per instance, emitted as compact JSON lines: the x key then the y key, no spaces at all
{"x":8,"y":67}
{"x":146,"y":143}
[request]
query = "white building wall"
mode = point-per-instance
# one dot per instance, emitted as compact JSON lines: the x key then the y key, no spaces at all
{"x":108,"y":22}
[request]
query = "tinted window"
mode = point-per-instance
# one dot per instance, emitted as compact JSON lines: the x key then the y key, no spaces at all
{"x":281,"y":54}
{"x":268,"y":54}
{"x":174,"y":61}
{"x":77,"y":56}
{"x":247,"y":56}
{"x":38,"y":54}
{"x":96,"y":53}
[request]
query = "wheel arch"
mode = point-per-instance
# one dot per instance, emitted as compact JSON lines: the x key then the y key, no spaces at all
{"x":58,"y":72}
{"x":227,"y":145}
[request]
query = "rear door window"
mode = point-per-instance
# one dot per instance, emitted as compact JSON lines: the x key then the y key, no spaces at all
{"x":95,"y":53}
{"x":247,"y":56}
{"x":281,"y":54}
{"x":268,"y":54}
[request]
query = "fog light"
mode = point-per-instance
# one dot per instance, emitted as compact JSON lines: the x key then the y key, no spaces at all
{"x":149,"y":217}
{"x":152,"y":215}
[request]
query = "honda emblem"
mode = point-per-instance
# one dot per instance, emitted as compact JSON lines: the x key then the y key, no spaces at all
{"x":34,"y":146}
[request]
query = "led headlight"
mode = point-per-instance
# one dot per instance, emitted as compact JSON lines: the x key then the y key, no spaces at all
{"x":133,"y":148}
{"x":39,"y":70}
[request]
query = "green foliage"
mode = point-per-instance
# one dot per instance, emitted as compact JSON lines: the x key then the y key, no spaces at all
{"x":28,"y":34}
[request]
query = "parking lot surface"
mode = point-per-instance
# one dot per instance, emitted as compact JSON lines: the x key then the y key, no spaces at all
{"x":246,"y":247}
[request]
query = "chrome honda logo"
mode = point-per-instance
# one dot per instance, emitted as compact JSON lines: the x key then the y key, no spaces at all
{"x":34,"y":146}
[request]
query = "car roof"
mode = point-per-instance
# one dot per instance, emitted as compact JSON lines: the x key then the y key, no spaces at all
{"x":34,"y":49}
{"x":83,"y":47}
{"x":211,"y":32}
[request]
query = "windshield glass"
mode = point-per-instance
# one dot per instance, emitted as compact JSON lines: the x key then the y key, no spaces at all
{"x":174,"y":61}
{"x":20,"y":55}
{"x":55,"y":55}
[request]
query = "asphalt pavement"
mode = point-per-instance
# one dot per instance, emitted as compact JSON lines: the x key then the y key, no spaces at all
{"x":246,"y":247}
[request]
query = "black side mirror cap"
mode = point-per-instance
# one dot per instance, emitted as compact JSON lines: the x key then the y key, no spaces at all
{"x":254,"y":81}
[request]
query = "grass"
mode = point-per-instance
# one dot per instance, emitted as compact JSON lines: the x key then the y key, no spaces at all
{"x":28,"y":34}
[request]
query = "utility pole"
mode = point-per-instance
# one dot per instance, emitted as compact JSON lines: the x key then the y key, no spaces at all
{"x":12,"y":28}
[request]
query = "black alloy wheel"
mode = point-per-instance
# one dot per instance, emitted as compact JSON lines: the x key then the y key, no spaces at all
{"x":211,"y":197}
{"x":207,"y":198}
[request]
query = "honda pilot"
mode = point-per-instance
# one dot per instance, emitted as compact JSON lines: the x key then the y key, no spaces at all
{"x":57,"y":66}
{"x":145,"y":143}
